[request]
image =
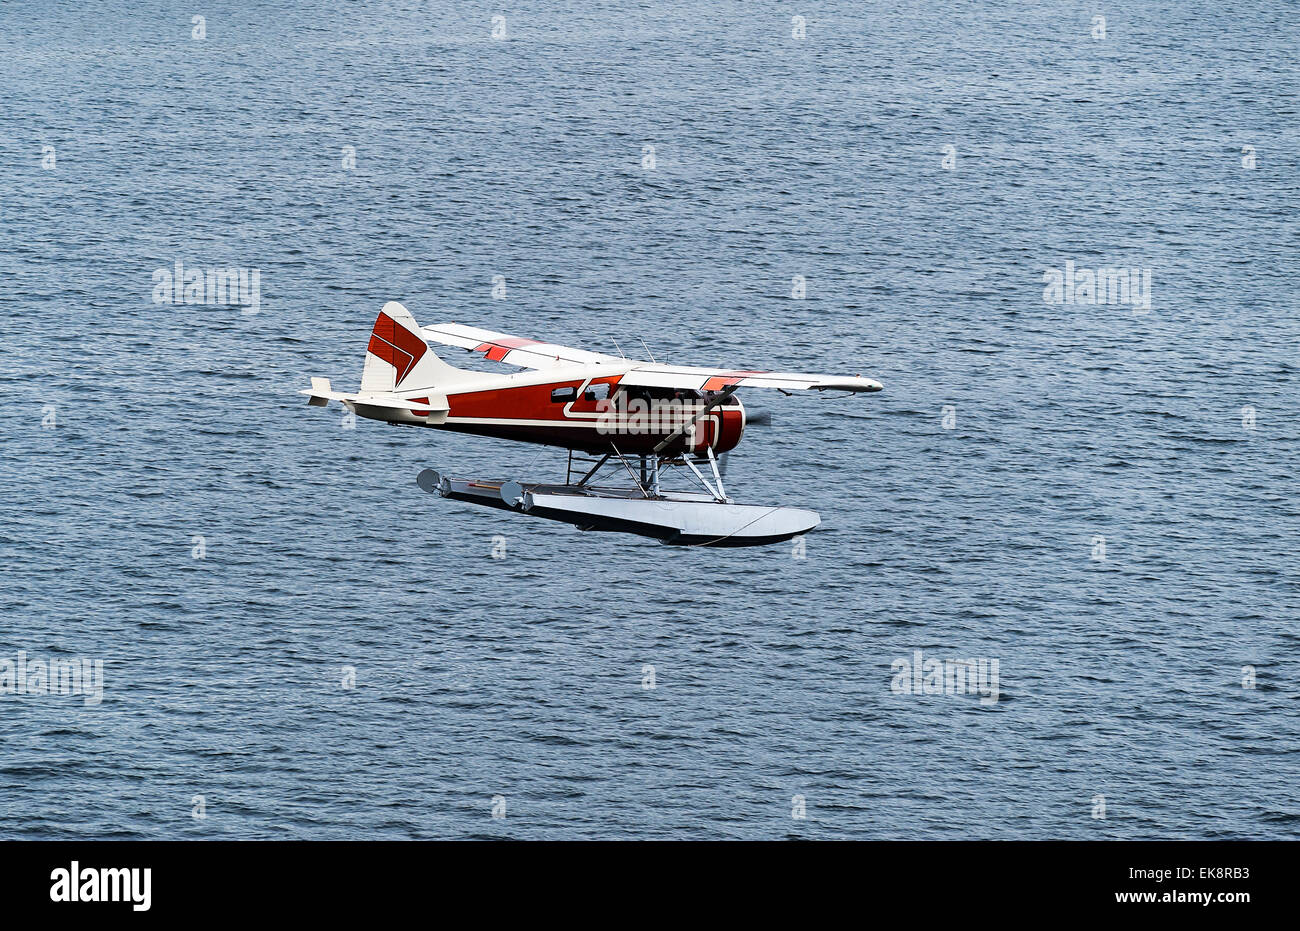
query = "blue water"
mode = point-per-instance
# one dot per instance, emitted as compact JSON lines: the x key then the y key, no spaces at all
{"x":774,"y":157}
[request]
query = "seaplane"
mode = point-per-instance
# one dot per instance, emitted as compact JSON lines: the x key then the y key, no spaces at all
{"x":647,"y":422}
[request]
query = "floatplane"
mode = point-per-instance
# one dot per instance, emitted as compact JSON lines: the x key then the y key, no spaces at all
{"x":642,"y":420}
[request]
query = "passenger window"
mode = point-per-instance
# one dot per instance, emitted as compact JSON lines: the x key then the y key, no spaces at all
{"x":596,"y":392}
{"x":564,"y":394}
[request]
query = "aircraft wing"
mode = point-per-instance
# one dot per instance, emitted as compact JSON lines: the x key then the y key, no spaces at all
{"x":534,"y":354}
{"x":655,"y":375}
{"x":513,"y":350}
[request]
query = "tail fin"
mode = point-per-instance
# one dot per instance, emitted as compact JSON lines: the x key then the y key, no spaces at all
{"x":398,"y":359}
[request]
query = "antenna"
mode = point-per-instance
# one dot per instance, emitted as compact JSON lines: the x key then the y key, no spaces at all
{"x":618,"y":347}
{"x":648,"y":352}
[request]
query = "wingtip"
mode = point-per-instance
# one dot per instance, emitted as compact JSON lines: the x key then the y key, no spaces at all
{"x":858,"y":385}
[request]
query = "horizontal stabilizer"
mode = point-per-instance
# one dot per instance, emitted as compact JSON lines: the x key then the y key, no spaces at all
{"x":432,"y":408}
{"x":319,"y":395}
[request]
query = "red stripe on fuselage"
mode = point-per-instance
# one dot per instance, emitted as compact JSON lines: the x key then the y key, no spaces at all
{"x":527,"y":402}
{"x":545,"y":420}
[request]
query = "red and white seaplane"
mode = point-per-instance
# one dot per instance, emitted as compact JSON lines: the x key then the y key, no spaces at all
{"x":609,"y":410}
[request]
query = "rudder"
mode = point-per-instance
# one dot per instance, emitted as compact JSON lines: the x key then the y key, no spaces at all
{"x":397,"y":357}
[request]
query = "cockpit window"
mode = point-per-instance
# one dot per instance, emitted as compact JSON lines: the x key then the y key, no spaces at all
{"x":564,"y":394}
{"x":596,"y":392}
{"x":684,"y":395}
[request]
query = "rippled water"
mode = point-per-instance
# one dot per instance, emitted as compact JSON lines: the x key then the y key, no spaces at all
{"x":774,"y":157}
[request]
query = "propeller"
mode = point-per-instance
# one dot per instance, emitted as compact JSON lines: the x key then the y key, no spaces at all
{"x":754,"y":417}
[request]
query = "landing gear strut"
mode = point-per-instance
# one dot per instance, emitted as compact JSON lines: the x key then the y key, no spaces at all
{"x":650,"y":469}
